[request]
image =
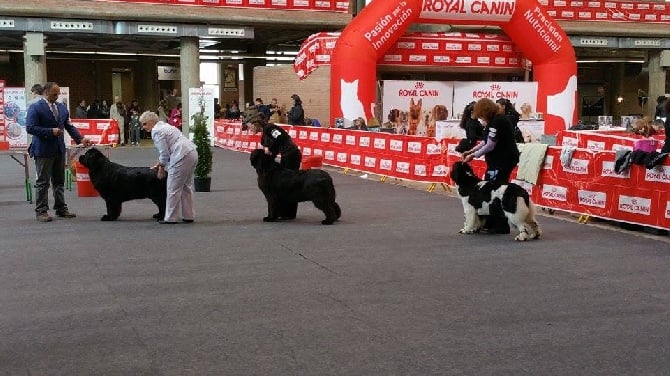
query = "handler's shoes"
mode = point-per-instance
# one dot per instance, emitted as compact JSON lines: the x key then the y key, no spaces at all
{"x":43,"y":217}
{"x":167,"y":222}
{"x":187,"y":220}
{"x":65,"y":214}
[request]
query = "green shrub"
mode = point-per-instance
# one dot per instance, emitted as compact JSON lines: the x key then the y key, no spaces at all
{"x":202,"y":141}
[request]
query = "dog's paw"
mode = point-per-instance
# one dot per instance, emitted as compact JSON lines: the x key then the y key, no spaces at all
{"x":467,"y":231}
{"x":269,"y":219}
{"x":157,"y":216}
{"x":327,"y":222}
{"x":522,"y":237}
{"x":107,"y":218}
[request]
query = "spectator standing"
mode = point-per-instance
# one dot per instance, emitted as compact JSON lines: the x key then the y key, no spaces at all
{"x":513,"y":116}
{"x":104,"y":109}
{"x":36,"y":90}
{"x":296,"y":115}
{"x":474,"y":132}
{"x":176,"y":117}
{"x":172,"y":100}
{"x":118,"y":113}
{"x":162,"y":111}
{"x":177,"y":156}
{"x":262,"y":108}
{"x":217,"y":109}
{"x":94,"y":110}
{"x":275,"y":111}
{"x":134,"y":124}
{"x":134,"y":106}
{"x":234,"y":111}
{"x":660,"y":104}
{"x":46,"y":122}
{"x":80,"y":110}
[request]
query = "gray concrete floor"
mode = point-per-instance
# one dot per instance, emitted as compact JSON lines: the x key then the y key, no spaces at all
{"x":391,"y":289}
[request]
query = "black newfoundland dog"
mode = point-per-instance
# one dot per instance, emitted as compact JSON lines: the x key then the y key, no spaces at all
{"x":483,"y":198}
{"x":282,"y":186}
{"x":117,"y":184}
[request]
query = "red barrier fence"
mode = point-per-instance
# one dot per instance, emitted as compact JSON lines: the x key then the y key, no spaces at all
{"x":99,"y":131}
{"x":587,"y":184}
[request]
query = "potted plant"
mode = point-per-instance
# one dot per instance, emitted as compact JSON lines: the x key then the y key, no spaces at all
{"x":201,"y":138}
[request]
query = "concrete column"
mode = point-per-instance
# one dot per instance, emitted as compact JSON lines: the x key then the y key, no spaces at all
{"x":35,"y":66}
{"x":146,"y":84}
{"x":189,"y":67}
{"x":618,"y":90}
{"x":657,"y":77}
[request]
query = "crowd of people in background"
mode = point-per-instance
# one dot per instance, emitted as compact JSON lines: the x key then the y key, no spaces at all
{"x":169,"y":110}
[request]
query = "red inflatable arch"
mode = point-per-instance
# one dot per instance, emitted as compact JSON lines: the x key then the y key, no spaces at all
{"x":381,"y":23}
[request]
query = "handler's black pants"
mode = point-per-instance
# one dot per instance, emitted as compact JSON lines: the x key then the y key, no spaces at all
{"x":497,"y":222}
{"x":290,"y":160}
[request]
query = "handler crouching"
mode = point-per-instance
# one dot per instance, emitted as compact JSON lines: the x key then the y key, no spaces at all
{"x":177,"y":155}
{"x":275,"y":140}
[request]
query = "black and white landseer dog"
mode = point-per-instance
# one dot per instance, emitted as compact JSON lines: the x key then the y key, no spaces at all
{"x":118,"y":184}
{"x":479,"y":196}
{"x":281,"y":185}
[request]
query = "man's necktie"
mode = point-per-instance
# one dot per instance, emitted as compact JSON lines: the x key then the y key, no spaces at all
{"x":54,"y":109}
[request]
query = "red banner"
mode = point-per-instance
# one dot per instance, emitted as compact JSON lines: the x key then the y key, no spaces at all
{"x":608,"y":11}
{"x":422,"y":49}
{"x":340,"y":6}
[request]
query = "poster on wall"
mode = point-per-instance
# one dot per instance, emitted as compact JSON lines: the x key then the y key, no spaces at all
{"x":64,"y":97}
{"x":15,"y":113}
{"x":414,"y":107}
{"x":198,"y":96}
{"x":523,"y":95}
{"x":4,"y":144}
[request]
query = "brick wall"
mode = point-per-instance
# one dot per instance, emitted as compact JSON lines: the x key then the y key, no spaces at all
{"x":281,"y":82}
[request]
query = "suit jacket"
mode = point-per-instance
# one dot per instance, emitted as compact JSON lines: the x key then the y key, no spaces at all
{"x":39,"y":123}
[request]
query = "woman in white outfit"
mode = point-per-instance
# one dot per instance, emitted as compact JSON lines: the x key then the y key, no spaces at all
{"x":176,"y":155}
{"x":118,"y":112}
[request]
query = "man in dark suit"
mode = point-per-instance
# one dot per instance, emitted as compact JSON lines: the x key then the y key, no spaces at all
{"x":46,"y":121}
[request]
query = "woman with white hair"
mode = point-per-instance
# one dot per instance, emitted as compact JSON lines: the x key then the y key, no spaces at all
{"x":177,"y":155}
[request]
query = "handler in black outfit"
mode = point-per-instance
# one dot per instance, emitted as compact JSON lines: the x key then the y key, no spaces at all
{"x":500,"y":153}
{"x":276,"y":141}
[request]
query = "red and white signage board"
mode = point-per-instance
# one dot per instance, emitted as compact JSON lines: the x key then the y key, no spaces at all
{"x":468,"y":11}
{"x":521,"y":94}
{"x":418,"y":104}
{"x":15,"y":112}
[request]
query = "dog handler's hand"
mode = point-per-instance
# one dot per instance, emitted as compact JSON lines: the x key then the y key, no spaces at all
{"x":267,"y":151}
{"x":468,"y":158}
{"x":161,"y":172}
{"x":86,"y":142}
